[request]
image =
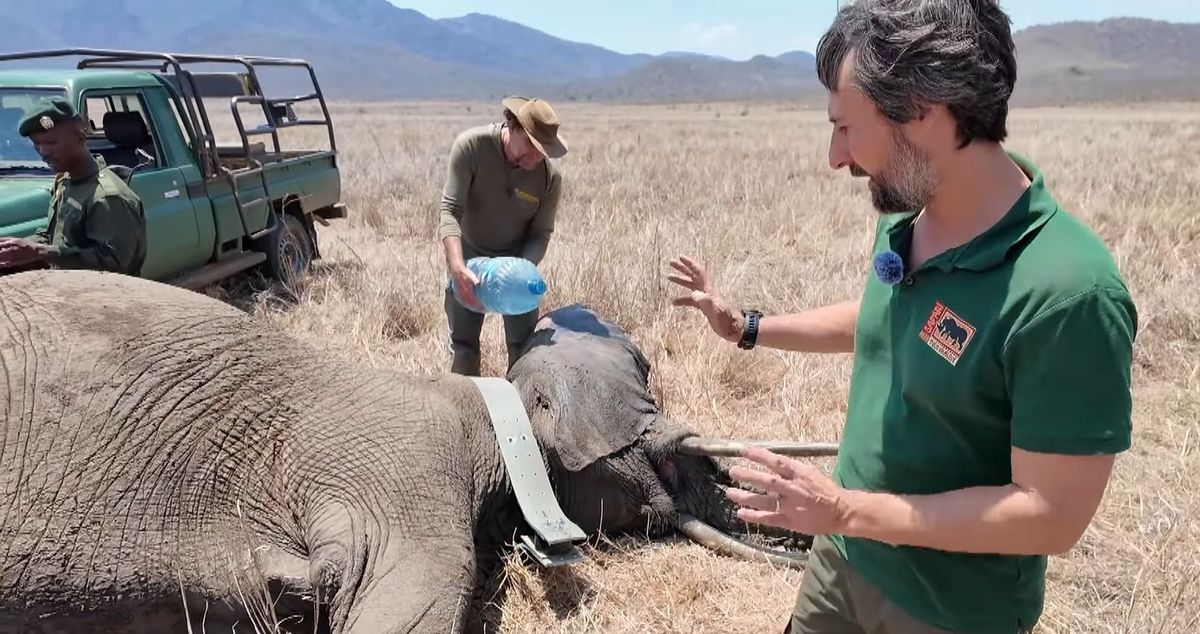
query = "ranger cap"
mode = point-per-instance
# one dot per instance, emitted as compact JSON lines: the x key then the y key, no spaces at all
{"x":46,"y":114}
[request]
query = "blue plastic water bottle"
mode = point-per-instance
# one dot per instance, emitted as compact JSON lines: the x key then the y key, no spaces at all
{"x":507,"y":285}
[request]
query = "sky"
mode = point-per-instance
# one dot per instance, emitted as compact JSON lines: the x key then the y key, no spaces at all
{"x":742,"y":29}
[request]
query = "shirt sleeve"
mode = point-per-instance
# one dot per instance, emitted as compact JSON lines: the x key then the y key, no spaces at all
{"x":42,"y":236}
{"x":113,"y":228}
{"x":459,"y":174}
{"x":1069,"y":375}
{"x":541,"y":227}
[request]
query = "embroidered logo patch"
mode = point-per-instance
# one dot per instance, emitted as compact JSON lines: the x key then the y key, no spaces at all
{"x":947,"y":333}
{"x":528,"y":197}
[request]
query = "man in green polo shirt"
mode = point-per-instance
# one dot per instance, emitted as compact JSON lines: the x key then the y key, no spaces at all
{"x":992,"y":345}
{"x":500,"y":199}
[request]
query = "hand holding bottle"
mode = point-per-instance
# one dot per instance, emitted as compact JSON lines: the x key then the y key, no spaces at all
{"x":506,"y":285}
{"x":464,"y":285}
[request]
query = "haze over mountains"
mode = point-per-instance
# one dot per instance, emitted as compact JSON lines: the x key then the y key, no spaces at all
{"x":371,"y":49}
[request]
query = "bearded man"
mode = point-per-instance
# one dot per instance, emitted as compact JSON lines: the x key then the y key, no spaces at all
{"x":992,"y":345}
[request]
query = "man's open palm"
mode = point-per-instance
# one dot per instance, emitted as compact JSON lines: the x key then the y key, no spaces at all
{"x":15,"y":252}
{"x":692,"y":276}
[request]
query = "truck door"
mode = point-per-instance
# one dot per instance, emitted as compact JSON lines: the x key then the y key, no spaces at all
{"x":123,"y":129}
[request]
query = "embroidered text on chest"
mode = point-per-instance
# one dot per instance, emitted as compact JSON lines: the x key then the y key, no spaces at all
{"x":527,"y":197}
{"x":947,"y":333}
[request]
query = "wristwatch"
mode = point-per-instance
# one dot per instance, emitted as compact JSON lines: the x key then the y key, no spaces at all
{"x":750,"y":330}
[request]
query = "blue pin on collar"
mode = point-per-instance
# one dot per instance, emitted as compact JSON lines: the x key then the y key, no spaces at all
{"x":889,"y":267}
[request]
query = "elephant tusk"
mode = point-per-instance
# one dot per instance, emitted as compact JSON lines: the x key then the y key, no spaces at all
{"x":696,"y":446}
{"x":725,"y":544}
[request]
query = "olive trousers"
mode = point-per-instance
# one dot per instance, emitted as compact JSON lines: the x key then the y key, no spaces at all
{"x":465,"y":327}
{"x":835,"y":599}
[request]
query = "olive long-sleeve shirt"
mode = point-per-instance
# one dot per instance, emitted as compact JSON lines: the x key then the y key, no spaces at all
{"x":96,"y":222}
{"x":493,"y":208}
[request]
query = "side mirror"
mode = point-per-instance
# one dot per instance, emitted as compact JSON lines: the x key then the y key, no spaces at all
{"x":123,"y":172}
{"x":144,"y":160}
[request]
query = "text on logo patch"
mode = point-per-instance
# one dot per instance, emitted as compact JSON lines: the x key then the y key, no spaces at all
{"x":528,"y":197}
{"x":947,"y":333}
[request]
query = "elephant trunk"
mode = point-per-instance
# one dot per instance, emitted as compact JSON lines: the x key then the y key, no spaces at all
{"x":717,"y":534}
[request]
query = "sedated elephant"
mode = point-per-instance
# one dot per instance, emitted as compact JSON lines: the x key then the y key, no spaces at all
{"x":168,"y":462}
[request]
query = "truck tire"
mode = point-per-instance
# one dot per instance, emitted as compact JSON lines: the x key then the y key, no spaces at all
{"x":289,"y":251}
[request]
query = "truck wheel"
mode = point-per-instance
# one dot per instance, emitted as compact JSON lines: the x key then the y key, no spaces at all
{"x":289,"y":251}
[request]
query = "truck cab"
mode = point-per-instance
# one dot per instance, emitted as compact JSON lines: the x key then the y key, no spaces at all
{"x":211,"y":210}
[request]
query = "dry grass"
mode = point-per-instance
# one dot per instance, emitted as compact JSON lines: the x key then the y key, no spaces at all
{"x":748,"y":190}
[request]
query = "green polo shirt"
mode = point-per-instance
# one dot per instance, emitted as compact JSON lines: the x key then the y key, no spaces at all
{"x":1020,"y":338}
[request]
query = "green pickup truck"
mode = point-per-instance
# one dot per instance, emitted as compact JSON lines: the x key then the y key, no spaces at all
{"x":212,"y":210}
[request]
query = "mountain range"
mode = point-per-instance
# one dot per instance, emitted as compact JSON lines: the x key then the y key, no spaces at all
{"x":372,"y":49}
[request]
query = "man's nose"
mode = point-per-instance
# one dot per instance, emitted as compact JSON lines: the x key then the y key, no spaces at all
{"x":839,"y":157}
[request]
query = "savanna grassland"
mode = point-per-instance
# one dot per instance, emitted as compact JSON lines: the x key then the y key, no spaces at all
{"x":748,"y":191}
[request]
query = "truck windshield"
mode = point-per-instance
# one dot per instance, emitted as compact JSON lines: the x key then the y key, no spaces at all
{"x":16,"y":152}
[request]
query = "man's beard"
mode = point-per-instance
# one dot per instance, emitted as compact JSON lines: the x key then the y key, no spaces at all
{"x":907,"y":183}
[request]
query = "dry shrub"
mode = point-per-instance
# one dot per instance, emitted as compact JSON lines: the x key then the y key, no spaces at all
{"x":752,"y":197}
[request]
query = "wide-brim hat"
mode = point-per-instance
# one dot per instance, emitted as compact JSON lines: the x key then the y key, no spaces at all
{"x":540,"y":123}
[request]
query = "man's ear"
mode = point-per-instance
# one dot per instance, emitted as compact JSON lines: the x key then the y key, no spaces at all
{"x":931,"y":126}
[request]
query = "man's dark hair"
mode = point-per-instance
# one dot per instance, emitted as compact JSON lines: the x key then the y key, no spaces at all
{"x":909,"y":53}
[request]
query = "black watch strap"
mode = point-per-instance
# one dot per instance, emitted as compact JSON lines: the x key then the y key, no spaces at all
{"x":750,"y":330}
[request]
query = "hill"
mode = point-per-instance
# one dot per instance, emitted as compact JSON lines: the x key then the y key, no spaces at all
{"x":372,"y":49}
{"x":1122,"y":59}
{"x":696,"y":78}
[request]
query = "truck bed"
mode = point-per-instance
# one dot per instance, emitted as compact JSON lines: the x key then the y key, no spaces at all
{"x":234,"y":157}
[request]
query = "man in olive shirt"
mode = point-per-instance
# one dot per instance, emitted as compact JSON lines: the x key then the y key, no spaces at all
{"x":991,"y":386}
{"x":500,"y":199}
{"x":95,"y":220}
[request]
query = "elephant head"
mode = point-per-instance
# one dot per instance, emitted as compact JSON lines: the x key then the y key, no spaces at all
{"x":616,"y":462}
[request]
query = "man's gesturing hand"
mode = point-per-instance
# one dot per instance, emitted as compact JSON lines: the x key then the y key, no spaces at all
{"x":798,"y":496}
{"x":726,"y":322}
{"x":15,"y":252}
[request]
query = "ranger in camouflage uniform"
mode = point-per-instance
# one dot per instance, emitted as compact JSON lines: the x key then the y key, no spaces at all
{"x":95,"y":219}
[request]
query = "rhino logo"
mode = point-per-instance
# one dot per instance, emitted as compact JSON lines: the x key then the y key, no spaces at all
{"x":947,"y":333}
{"x":953,"y":331}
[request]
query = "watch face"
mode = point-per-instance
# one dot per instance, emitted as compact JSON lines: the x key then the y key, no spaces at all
{"x":750,"y":333}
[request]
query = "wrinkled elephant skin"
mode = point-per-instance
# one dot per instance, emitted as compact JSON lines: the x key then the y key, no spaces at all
{"x":165,"y":458}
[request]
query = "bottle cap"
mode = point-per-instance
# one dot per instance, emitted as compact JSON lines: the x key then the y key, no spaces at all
{"x":537,"y":287}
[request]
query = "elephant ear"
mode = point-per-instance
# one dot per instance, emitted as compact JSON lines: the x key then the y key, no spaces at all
{"x":587,"y":396}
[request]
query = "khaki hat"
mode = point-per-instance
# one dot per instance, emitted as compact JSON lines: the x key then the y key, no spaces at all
{"x":540,"y":122}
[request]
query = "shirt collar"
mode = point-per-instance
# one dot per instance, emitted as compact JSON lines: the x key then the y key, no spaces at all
{"x":989,"y":249}
{"x":89,"y":171}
